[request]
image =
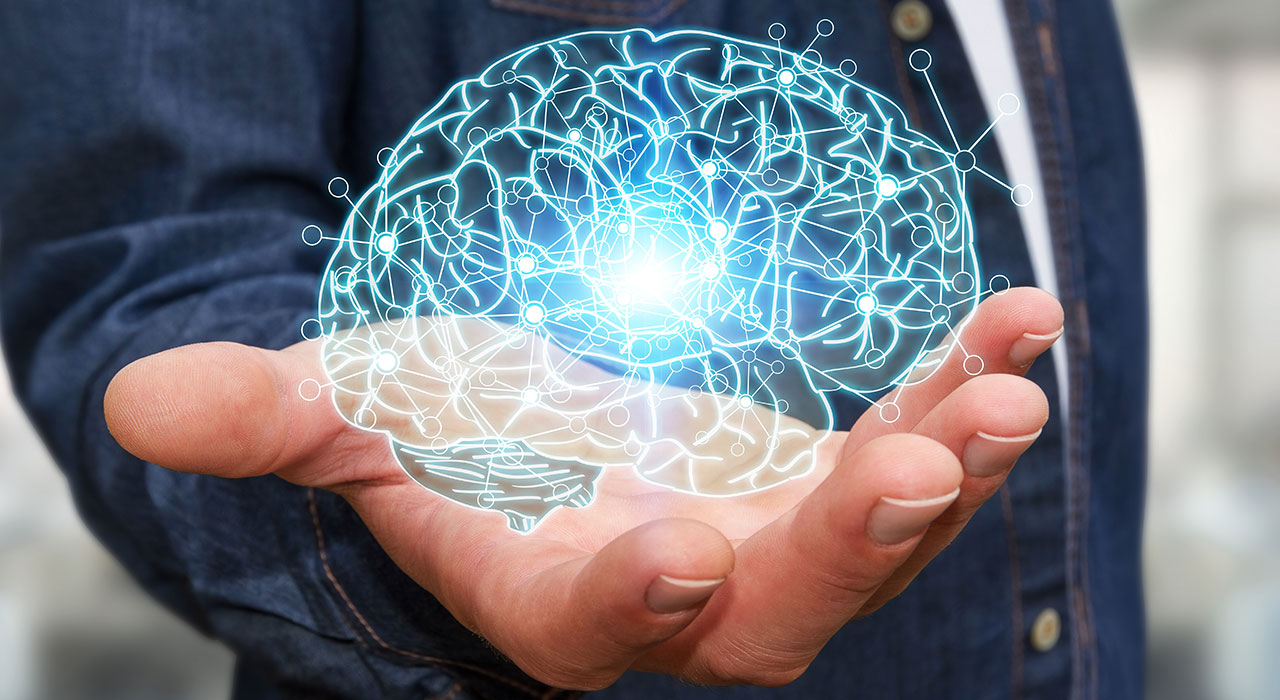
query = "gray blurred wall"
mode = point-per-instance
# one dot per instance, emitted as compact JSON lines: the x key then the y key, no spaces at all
{"x":1207,"y":76}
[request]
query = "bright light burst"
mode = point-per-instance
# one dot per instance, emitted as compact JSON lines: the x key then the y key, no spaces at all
{"x":662,"y":252}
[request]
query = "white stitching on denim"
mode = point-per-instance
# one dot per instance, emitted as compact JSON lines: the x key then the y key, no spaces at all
{"x":1015,"y":584}
{"x":1077,"y":340}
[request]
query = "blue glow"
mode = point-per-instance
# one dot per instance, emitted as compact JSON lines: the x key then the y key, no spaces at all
{"x":669,"y":248}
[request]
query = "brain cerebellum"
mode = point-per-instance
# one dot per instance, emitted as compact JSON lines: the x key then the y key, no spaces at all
{"x":662,"y":252}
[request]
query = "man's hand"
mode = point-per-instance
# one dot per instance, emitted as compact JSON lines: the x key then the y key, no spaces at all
{"x":713,"y":590}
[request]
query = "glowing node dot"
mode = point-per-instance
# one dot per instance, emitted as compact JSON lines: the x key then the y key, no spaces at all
{"x":386,"y":362}
{"x":887,"y":187}
{"x":309,"y":389}
{"x":534,"y":314}
{"x":940,"y":313}
{"x":1008,"y":104}
{"x":920,"y":60}
{"x":1021,"y":195}
{"x":973,"y":365}
{"x":890,"y":413}
{"x":677,"y":249}
{"x":366,"y":419}
{"x":311,"y":329}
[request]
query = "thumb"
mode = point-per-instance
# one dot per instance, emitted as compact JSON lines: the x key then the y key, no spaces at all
{"x":225,"y":409}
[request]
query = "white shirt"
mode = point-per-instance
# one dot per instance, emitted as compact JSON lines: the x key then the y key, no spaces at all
{"x":984,"y":29}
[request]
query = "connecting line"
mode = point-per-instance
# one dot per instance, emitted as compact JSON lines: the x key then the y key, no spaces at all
{"x":663,"y":251}
{"x":938,"y":102}
{"x":994,"y":179}
{"x":985,"y":131}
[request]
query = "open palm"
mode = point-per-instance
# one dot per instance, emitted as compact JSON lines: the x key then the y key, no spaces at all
{"x":738,"y":590}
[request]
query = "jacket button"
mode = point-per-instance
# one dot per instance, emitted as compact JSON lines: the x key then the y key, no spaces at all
{"x":1046,"y":630}
{"x":911,"y":20}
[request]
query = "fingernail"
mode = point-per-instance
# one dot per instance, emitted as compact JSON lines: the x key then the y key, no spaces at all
{"x":672,"y":595}
{"x":896,"y":520}
{"x":1026,"y":349}
{"x":988,"y":455}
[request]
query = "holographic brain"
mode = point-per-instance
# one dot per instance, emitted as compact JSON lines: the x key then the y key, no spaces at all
{"x":656,"y":252}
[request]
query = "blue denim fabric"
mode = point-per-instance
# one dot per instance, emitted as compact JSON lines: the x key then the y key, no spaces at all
{"x":159,"y":157}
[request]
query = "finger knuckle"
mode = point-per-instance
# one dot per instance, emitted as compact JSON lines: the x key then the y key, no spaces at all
{"x":850,"y":582}
{"x":957,"y":516}
{"x":873,"y":605}
{"x":769,"y":677}
{"x":746,"y":662}
{"x":564,"y":673}
{"x":1005,"y":399}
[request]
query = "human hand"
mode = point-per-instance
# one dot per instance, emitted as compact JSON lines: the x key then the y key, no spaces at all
{"x":737,"y":590}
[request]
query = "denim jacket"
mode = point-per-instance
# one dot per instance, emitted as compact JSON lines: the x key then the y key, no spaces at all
{"x":158,"y":159}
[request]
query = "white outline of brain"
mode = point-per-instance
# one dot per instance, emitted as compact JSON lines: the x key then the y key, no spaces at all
{"x":659,"y":251}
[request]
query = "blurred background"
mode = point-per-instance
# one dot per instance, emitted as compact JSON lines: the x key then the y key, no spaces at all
{"x":1207,"y":75}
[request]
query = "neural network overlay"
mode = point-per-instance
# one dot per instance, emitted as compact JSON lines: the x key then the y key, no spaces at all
{"x":662,"y":253}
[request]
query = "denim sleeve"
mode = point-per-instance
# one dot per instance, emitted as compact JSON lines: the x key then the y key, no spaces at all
{"x":158,"y":160}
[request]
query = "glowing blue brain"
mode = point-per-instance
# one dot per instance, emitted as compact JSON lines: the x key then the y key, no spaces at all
{"x":661,"y":252}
